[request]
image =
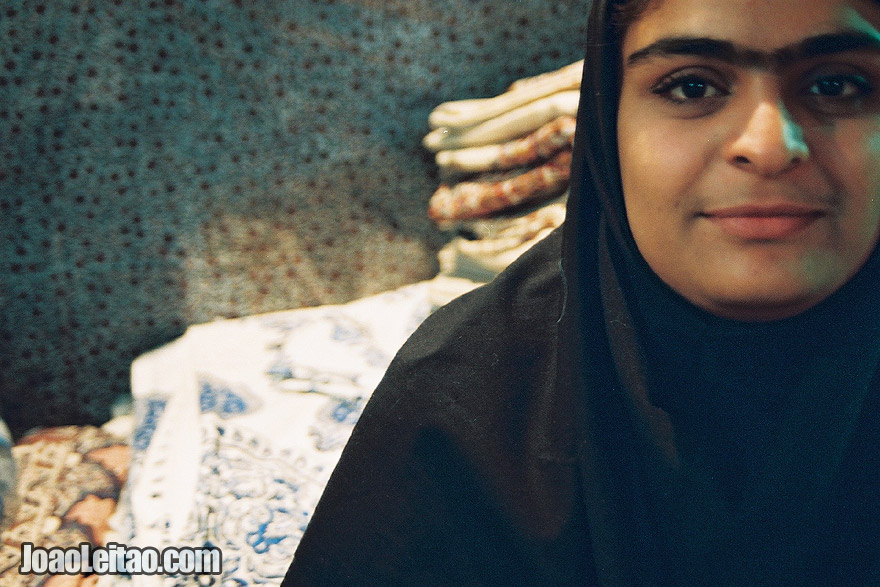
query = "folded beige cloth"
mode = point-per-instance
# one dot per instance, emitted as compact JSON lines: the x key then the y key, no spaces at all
{"x":482,"y":259}
{"x":462,"y":113}
{"x":507,"y":126}
{"x":541,"y":144}
{"x":479,"y":261}
{"x":516,"y":229}
{"x":443,"y":288}
{"x":570,"y":74}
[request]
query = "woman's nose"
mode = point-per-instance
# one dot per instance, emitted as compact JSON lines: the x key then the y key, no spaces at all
{"x":770,"y":142}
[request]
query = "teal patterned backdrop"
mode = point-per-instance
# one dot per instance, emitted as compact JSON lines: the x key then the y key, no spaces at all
{"x":167,"y":162}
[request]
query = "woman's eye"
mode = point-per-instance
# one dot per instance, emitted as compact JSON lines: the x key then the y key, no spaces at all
{"x":839,"y":86}
{"x":687,"y":88}
{"x":840,"y":94}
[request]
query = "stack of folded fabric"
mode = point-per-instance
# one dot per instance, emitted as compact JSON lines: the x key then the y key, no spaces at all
{"x":504,"y":165}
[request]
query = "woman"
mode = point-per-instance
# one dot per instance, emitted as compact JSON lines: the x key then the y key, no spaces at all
{"x":693,"y":399}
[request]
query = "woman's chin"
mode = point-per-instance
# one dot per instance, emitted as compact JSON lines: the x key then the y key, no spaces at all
{"x":762,"y":300}
{"x":761,"y":285}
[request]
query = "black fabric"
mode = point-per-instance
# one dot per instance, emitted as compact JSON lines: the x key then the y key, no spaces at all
{"x":463,"y":470}
{"x":587,"y":426}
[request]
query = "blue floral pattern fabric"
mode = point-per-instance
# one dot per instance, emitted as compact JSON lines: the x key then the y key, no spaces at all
{"x":240,"y":423}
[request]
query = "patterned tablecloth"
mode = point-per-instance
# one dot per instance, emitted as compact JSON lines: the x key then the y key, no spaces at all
{"x":239,"y":424}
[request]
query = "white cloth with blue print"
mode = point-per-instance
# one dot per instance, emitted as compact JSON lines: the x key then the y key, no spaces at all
{"x":240,"y":423}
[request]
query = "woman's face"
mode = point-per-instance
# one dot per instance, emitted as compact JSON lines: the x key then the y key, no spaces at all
{"x":749,"y":141}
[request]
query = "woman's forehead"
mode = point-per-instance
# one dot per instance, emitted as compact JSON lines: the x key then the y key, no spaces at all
{"x":760,"y":25}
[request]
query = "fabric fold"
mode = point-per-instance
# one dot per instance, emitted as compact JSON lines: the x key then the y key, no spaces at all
{"x":506,"y":126}
{"x":466,"y":200}
{"x":541,"y":144}
{"x":463,"y":113}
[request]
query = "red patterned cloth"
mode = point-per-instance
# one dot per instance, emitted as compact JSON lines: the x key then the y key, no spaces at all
{"x":467,"y":200}
{"x":69,"y":484}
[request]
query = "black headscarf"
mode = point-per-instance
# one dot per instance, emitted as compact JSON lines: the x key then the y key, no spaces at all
{"x":587,"y":426}
{"x":715,"y":452}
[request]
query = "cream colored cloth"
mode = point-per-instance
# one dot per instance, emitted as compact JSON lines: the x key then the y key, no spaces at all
{"x":501,"y":242}
{"x":519,"y":228}
{"x":463,"y":113}
{"x":445,"y":288}
{"x":541,"y":144}
{"x":560,"y":78}
{"x":507,"y":126}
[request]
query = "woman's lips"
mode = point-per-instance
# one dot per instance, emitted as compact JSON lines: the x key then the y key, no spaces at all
{"x":771,"y":222}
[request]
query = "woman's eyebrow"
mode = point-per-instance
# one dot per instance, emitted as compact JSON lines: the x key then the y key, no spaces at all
{"x":729,"y":52}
